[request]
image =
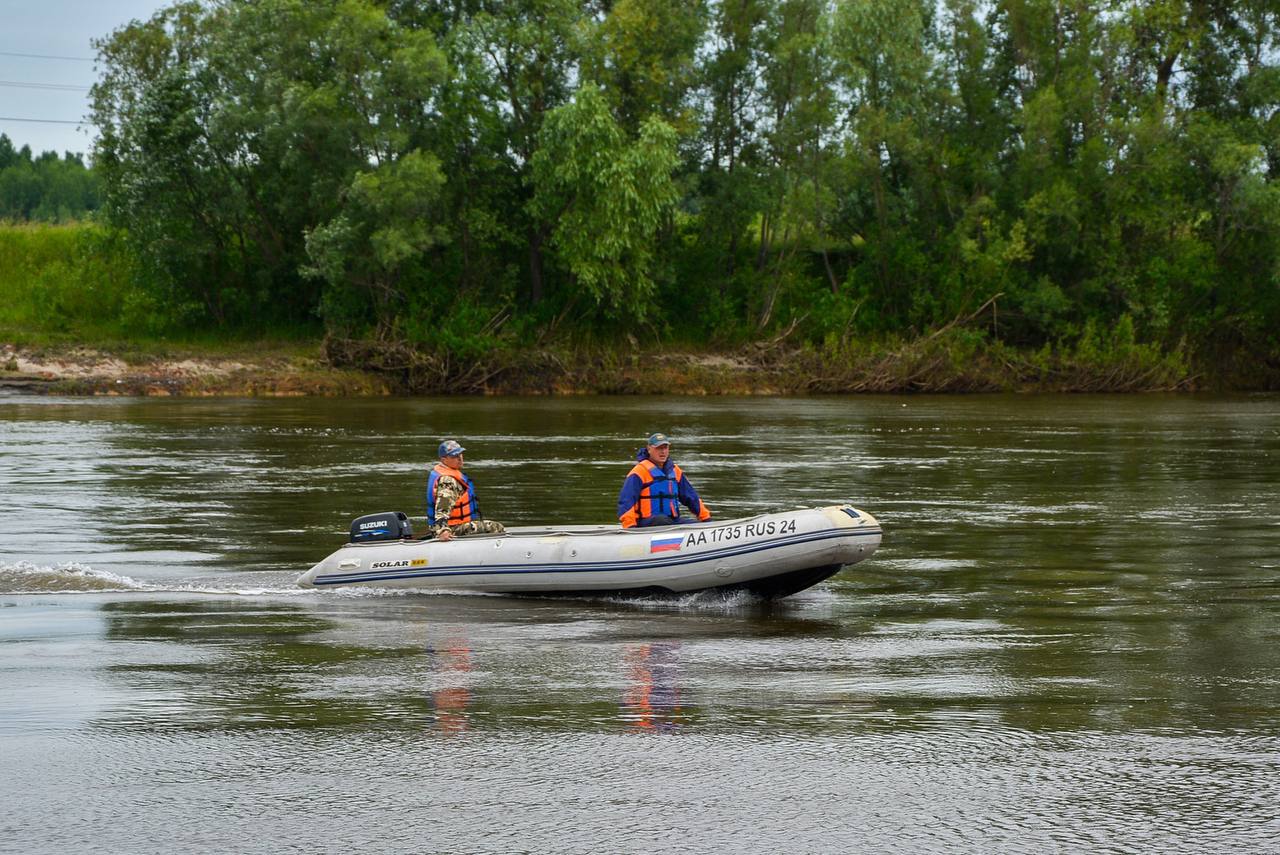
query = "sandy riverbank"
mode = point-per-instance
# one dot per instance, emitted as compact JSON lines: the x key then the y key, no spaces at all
{"x":86,"y":371}
{"x":361,"y":369}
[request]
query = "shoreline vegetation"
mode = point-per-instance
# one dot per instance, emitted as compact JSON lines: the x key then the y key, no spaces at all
{"x":916,"y":367}
{"x":795,"y":197}
{"x":75,"y":322}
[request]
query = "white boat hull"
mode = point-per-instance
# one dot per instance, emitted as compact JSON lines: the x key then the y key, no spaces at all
{"x":771,"y":555}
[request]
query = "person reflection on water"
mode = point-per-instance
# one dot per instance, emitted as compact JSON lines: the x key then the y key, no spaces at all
{"x":655,"y":488}
{"x":451,"y":667}
{"x":452,"y":510}
{"x":652,"y":698}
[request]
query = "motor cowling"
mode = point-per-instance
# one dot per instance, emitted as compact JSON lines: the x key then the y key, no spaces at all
{"x":372,"y":528}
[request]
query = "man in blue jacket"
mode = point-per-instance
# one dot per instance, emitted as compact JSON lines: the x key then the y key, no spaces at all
{"x":655,"y":488}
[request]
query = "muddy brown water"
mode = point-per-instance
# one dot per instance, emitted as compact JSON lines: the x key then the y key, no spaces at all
{"x":1069,"y":640}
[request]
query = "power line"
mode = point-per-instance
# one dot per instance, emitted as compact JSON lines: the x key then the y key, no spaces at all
{"x":61,"y":87}
{"x":47,"y":56}
{"x":45,"y":121}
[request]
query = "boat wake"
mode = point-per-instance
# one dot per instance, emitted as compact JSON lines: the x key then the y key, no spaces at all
{"x":693,"y":601}
{"x":720,"y":601}
{"x":72,"y":577}
{"x":69,"y":578}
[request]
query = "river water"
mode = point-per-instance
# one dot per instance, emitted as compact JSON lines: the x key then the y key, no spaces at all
{"x":1069,"y":640}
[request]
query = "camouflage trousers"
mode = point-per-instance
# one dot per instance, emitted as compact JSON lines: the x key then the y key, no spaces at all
{"x":477,"y":527}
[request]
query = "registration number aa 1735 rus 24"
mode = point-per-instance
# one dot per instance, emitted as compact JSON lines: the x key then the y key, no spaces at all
{"x":737,"y":532}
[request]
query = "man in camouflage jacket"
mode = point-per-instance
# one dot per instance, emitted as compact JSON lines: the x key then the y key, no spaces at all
{"x":446,"y":487}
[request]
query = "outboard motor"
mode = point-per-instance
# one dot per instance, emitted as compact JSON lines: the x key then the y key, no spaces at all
{"x":373,"y":528}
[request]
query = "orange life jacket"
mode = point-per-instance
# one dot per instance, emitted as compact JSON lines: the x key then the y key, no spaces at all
{"x":465,"y":509}
{"x":660,"y":493}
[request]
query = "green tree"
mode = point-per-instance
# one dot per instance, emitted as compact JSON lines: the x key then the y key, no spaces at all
{"x":45,"y":188}
{"x":8,"y":154}
{"x":883,"y":58}
{"x":607,"y":195}
{"x":642,"y":56}
{"x":390,"y":218}
{"x":800,"y":107}
{"x":728,"y":162}
{"x":518,"y":61}
{"x":230,"y":132}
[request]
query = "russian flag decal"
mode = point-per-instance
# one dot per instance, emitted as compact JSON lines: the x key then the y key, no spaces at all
{"x":665,"y":544}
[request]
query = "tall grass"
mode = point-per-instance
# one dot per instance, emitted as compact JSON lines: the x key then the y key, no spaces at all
{"x":67,"y":282}
{"x":76,"y":283}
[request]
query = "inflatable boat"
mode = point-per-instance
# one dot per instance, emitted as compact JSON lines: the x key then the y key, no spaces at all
{"x":771,"y":555}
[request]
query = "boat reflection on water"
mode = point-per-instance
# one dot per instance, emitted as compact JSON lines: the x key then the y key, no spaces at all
{"x":651,"y":701}
{"x":451,"y":676}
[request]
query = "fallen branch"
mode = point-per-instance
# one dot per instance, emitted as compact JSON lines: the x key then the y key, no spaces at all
{"x":958,"y":320}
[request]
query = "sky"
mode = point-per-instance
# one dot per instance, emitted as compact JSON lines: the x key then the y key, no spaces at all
{"x":42,"y":29}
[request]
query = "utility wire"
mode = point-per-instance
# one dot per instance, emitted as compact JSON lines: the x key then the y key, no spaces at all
{"x":47,"y":56}
{"x":45,"y":121}
{"x":61,"y":87}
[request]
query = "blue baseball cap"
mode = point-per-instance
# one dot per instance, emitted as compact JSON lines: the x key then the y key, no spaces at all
{"x":657,"y":439}
{"x":450,"y":448}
